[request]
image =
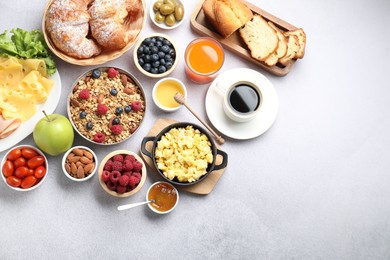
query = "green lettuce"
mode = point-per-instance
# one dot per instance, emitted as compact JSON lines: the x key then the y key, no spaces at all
{"x":27,"y":45}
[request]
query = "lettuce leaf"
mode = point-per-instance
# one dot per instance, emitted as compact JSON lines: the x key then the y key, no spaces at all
{"x":27,"y":45}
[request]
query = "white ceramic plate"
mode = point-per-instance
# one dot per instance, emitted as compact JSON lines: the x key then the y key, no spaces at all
{"x":257,"y":126}
{"x":163,"y":25}
{"x":27,"y":127}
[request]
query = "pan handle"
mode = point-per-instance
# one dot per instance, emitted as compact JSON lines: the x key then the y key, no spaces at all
{"x":146,"y":140}
{"x":224,"y":162}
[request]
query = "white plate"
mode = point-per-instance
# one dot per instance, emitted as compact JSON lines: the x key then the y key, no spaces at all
{"x":163,"y":25}
{"x":257,"y":126}
{"x":27,"y":127}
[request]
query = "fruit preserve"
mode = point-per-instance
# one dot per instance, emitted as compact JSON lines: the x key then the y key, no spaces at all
{"x":164,"y":196}
{"x":204,"y":58}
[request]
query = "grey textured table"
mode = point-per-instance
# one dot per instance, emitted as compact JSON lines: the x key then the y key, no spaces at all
{"x":315,"y":186}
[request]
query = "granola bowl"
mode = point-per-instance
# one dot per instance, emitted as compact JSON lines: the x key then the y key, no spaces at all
{"x":106,"y":105}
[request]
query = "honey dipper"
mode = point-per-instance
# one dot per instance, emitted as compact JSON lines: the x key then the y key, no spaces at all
{"x":179,"y":98}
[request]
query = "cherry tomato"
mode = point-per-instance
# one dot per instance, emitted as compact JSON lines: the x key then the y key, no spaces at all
{"x":19,"y":162}
{"x":13,"y":181}
{"x":8,"y":168}
{"x":35,"y":162}
{"x":30,"y":172}
{"x":14,"y":154}
{"x":39,"y":172}
{"x":21,"y":172}
{"x":29,"y":153}
{"x":28,"y":182}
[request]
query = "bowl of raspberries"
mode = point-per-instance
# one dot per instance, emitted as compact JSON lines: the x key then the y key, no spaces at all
{"x":122,"y":173}
{"x":155,"y":55}
{"x":106,"y":105}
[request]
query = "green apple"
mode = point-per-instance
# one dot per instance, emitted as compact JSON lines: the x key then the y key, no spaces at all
{"x":53,"y":134}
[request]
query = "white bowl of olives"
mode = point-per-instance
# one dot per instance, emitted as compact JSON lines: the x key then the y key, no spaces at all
{"x":167,"y":14}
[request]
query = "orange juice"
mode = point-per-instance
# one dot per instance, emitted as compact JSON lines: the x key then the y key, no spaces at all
{"x":204,"y":57}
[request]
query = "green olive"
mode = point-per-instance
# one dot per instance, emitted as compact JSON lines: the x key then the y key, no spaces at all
{"x":179,"y":12}
{"x":167,"y":9}
{"x":170,"y":20}
{"x":172,"y":2}
{"x":157,"y":5}
{"x":159,"y":18}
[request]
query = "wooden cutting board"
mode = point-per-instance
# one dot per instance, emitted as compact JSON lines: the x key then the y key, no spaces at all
{"x":204,"y":187}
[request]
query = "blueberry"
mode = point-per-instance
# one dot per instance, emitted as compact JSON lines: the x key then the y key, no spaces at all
{"x":141,"y":61}
{"x":118,"y":111}
{"x":154,"y":49}
{"x":155,"y":64}
{"x":167,"y":56}
{"x":147,"y":66}
{"x":89,"y":125}
{"x":169,"y":60}
{"x":162,"y":62}
{"x":154,"y":71}
{"x":127,"y":109}
{"x":116,"y":121}
{"x":140,"y":50}
{"x":83,"y":114}
{"x":168,"y":65}
{"x":96,"y":74}
{"x":161,"y":54}
{"x":155,"y":57}
{"x":153,"y":39}
{"x":114,"y":92}
{"x":146,"y":50}
{"x":160,"y":39}
{"x":147,"y":41}
{"x":162,"y":69}
{"x":172,"y":52}
{"x":166,"y":42}
{"x":159,"y":43}
{"x":165,"y":48}
{"x":147,"y":58}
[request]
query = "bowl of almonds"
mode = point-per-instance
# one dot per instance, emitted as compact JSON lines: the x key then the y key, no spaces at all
{"x":79,"y":163}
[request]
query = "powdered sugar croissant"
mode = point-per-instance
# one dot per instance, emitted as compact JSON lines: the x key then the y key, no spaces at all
{"x":67,"y":25}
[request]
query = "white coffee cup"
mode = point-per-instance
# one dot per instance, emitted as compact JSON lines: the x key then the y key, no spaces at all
{"x":241,"y":100}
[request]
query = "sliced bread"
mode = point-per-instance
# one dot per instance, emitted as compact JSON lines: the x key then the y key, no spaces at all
{"x":300,"y":33}
{"x":260,"y":38}
{"x":292,"y":49}
{"x":274,"y":57}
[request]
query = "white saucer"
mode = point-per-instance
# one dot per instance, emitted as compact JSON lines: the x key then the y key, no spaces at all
{"x":257,"y":126}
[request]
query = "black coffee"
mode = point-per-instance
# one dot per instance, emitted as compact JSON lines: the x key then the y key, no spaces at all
{"x":244,"y":98}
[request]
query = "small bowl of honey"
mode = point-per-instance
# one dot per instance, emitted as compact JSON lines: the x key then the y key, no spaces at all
{"x":164,"y":91}
{"x":164,"y":195}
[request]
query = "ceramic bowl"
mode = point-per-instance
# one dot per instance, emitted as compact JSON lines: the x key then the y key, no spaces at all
{"x":163,"y":25}
{"x":164,"y":91}
{"x":24,"y":151}
{"x":210,"y":167}
{"x":85,"y":163}
{"x":134,"y":27}
{"x":101,"y":130}
{"x":165,"y":196}
{"x":114,"y":191}
{"x":140,"y":58}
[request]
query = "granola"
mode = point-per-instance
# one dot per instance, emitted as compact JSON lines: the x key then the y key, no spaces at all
{"x":106,"y":106}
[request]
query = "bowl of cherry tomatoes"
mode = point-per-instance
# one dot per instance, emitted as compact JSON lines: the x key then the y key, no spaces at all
{"x":24,"y":168}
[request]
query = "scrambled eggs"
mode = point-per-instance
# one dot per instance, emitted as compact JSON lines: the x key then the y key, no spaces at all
{"x":183,"y":153}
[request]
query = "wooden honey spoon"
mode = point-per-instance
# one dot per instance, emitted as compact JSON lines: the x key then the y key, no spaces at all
{"x":179,"y":98}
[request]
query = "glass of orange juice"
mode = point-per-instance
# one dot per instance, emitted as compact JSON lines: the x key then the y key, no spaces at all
{"x":204,"y":57}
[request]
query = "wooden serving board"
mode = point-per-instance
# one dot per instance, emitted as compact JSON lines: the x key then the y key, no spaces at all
{"x":204,"y":187}
{"x":234,"y":43}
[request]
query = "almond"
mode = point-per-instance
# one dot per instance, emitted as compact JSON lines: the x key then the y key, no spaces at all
{"x":67,"y":168}
{"x":88,"y":155}
{"x":78,"y":151}
{"x":80,"y":172}
{"x":85,"y":160}
{"x":73,"y":168}
{"x":78,"y":164}
{"x":100,"y":98}
{"x":74,"y":102}
{"x":128,"y":91}
{"x":74,"y":159}
{"x":89,"y":167}
{"x":124,"y":80}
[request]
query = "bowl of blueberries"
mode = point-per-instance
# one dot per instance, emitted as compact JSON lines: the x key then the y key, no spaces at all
{"x":155,"y":55}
